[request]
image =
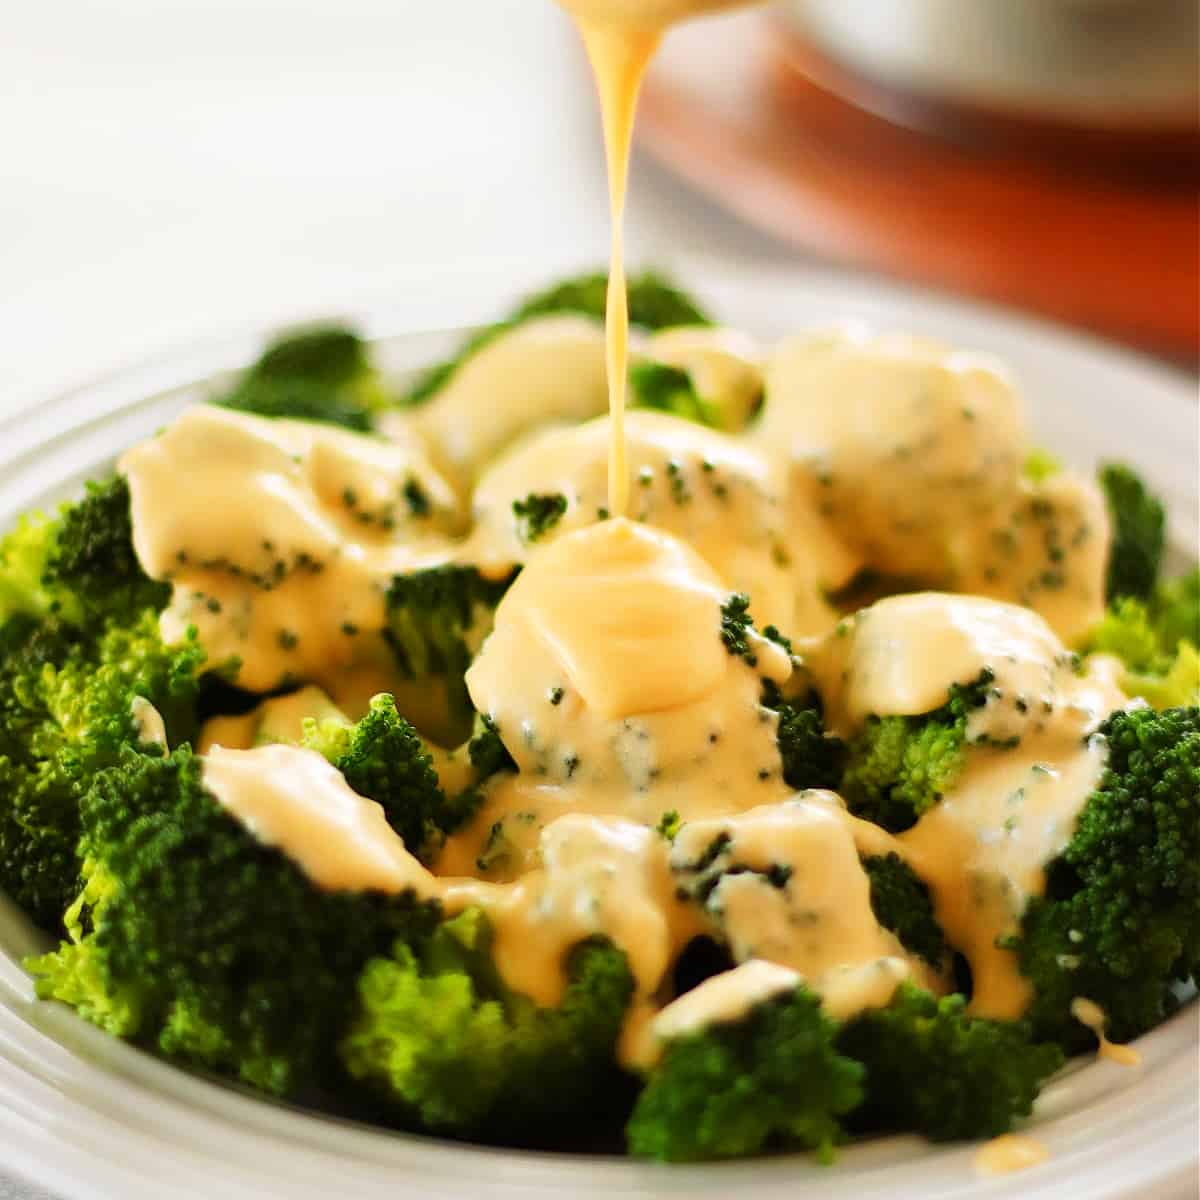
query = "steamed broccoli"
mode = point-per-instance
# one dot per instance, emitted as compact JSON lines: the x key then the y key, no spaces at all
{"x":899,"y":767}
{"x":1119,"y":923}
{"x":1157,"y":640}
{"x":1139,"y":524}
{"x":934,"y":1070}
{"x":193,"y":937}
{"x":454,"y":1051}
{"x":774,"y":1078}
{"x":669,"y":389}
{"x":383,"y":758}
{"x":437,"y":619}
{"x":78,"y":641}
{"x":901,"y":903}
{"x":78,"y":565}
{"x":654,"y":303}
{"x":318,"y":374}
{"x":812,"y":758}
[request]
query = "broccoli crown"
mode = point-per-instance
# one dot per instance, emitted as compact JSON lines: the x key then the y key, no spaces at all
{"x":669,"y":389}
{"x":901,"y":903}
{"x":935,"y":1070}
{"x":66,"y":710}
{"x":437,"y":619}
{"x":812,"y":758}
{"x":1120,"y":920}
{"x":898,"y":767}
{"x":1139,"y":524}
{"x":383,"y":758}
{"x":654,"y":303}
{"x":439,"y":1036}
{"x":537,"y":514}
{"x":1156,"y":640}
{"x":773,"y":1078}
{"x":79,"y":565}
{"x":193,"y":937}
{"x":320,"y":374}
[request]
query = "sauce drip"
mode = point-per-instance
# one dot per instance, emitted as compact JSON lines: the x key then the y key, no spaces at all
{"x":1011,"y":1152}
{"x":619,"y":57}
{"x":1089,"y":1013}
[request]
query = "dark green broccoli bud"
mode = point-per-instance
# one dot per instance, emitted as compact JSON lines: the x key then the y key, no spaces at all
{"x":934,"y":1070}
{"x":653,"y":304}
{"x":321,"y":374}
{"x":1139,"y":524}
{"x":454,"y":1051}
{"x":669,"y":389}
{"x":898,"y":767}
{"x":901,"y":902}
{"x":736,"y":627}
{"x":1119,"y":923}
{"x":487,"y":752}
{"x":773,"y":1078}
{"x":537,"y":514}
{"x":194,"y":938}
{"x":383,"y":758}
{"x":437,"y":619}
{"x":93,"y":561}
{"x":812,"y":758}
{"x":66,"y":710}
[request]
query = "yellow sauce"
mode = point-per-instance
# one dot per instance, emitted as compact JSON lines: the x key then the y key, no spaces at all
{"x":282,"y":543}
{"x":295,"y":800}
{"x":1089,"y":1013}
{"x":1011,"y":1152}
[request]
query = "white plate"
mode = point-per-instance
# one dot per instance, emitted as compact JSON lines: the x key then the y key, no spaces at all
{"x":90,"y":1116}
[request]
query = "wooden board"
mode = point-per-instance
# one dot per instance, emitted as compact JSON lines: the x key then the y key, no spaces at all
{"x":727,"y":108}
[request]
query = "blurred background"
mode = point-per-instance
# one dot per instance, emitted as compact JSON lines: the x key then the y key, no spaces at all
{"x":177,"y":168}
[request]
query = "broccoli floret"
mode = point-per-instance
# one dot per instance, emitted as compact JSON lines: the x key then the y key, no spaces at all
{"x":441,"y":1038}
{"x":1139,"y":524}
{"x":770,"y":1079}
{"x":1120,"y":920}
{"x":537,"y":514}
{"x":193,"y":937}
{"x":901,"y":903}
{"x":437,"y":619}
{"x":383,"y":758}
{"x":812,"y":758}
{"x":322,"y":374}
{"x":898,"y":767}
{"x":669,"y":389}
{"x":66,"y":710}
{"x":653,"y":304}
{"x":78,"y":565}
{"x":932,"y":1069}
{"x":736,"y":626}
{"x":1157,"y":642}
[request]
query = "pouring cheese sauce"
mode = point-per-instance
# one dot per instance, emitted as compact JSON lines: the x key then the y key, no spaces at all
{"x":605,"y":673}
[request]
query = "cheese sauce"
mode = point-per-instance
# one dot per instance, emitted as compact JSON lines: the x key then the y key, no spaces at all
{"x":1089,"y":1013}
{"x":1011,"y":1152}
{"x":607,"y":679}
{"x":282,"y":543}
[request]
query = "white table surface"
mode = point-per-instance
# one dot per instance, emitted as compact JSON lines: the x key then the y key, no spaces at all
{"x":174,"y":169}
